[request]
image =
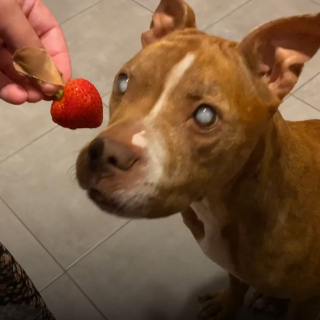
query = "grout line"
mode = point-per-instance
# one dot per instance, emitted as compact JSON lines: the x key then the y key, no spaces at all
{"x":97,"y":245}
{"x":315,"y":2}
{"x":79,"y":288}
{"x":88,"y":298}
{"x":38,"y":241}
{"x":300,"y":87}
{"x":82,"y":11}
{"x":228,"y":14}
{"x":108,"y":94}
{"x":308,"y":104}
{"x":52,"y":281}
{"x":35,"y":237}
{"x":285,"y":98}
{"x":141,"y":5}
{"x":58,"y":263}
{"x":42,"y":135}
{"x":50,"y":254}
{"x":28,"y":144}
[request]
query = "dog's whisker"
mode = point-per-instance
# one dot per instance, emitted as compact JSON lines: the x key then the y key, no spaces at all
{"x":72,"y":168}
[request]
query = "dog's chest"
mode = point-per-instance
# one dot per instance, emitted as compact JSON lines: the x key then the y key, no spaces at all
{"x":213,"y":244}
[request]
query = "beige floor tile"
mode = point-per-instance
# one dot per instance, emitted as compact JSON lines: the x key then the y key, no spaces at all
{"x":207,"y":11}
{"x":106,"y":99}
{"x":148,"y":270}
{"x":39,"y":265}
{"x":66,"y":9}
{"x":67,"y":302}
{"x":40,"y":188}
{"x":310,"y":92}
{"x":22,"y":124}
{"x":104,"y":37}
{"x":257,"y":12}
{"x":151,"y":270}
{"x":295,"y":110}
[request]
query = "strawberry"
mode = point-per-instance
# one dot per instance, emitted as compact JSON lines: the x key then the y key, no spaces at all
{"x":78,"y":105}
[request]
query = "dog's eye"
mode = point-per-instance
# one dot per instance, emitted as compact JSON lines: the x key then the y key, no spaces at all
{"x":205,"y":115}
{"x":122,"y":83}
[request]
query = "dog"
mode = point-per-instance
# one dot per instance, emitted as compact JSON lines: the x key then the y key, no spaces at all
{"x":195,"y":128}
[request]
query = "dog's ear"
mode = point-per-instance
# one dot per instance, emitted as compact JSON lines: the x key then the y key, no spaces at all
{"x":278,"y":50}
{"x":170,"y":15}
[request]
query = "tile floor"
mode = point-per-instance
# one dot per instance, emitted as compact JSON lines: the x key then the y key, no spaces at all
{"x":89,"y":265}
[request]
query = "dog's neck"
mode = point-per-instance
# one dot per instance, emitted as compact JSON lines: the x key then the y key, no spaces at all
{"x":257,"y":189}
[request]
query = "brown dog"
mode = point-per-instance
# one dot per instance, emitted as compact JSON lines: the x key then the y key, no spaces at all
{"x":195,"y":128}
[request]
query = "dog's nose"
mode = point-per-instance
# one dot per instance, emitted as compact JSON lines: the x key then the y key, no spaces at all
{"x":95,"y":150}
{"x":110,"y":154}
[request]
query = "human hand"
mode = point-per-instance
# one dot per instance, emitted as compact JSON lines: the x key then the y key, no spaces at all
{"x":29,"y":23}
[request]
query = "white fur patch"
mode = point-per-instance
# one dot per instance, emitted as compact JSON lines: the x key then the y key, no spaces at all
{"x":213,"y":245}
{"x":152,"y":141}
{"x":172,"y":81}
{"x":156,"y":145}
{"x":139,"y":139}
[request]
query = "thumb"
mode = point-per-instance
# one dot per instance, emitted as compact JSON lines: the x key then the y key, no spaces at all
{"x":49,"y":89}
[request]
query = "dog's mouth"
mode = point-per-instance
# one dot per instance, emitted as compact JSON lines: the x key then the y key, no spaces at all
{"x":104,"y":202}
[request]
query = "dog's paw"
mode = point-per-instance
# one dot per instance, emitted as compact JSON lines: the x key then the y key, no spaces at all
{"x":215,"y":307}
{"x":268,"y":305}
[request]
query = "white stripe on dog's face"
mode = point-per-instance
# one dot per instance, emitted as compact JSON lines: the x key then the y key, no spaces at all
{"x":156,"y":144}
{"x":152,"y":140}
{"x":173,"y":80}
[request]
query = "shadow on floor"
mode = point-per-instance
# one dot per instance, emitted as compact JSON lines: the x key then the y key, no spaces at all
{"x":190,"y":309}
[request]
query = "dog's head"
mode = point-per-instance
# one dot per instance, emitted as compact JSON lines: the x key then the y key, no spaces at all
{"x":188,"y":109}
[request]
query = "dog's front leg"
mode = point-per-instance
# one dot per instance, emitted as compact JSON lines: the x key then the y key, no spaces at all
{"x":216,"y":306}
{"x":304,"y":310}
{"x":224,"y":305}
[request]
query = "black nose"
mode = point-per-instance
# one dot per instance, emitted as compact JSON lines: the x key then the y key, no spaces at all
{"x":108,"y":154}
{"x":96,"y":149}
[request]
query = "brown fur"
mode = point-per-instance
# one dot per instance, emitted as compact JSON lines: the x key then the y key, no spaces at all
{"x":262,"y":170}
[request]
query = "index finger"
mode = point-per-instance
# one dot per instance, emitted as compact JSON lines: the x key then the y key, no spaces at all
{"x":50,"y":33}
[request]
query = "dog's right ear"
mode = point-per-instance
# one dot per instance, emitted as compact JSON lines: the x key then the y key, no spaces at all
{"x":170,"y":15}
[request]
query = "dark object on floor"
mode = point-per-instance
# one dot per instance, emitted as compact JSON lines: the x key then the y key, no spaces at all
{"x":19,"y":298}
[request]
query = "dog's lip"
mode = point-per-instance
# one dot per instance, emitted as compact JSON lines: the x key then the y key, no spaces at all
{"x":96,"y":195}
{"x":94,"y":192}
{"x":105,"y":202}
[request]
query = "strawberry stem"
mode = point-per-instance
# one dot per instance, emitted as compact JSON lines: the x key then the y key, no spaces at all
{"x":59,"y":94}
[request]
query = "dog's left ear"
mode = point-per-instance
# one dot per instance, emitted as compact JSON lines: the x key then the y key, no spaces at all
{"x":170,"y":15}
{"x":278,"y":50}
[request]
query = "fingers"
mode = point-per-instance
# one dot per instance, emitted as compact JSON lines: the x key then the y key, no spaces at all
{"x":51,"y":36}
{"x":34,"y":95}
{"x":11,"y":92}
{"x":16,"y":32}
{"x":15,"y":94}
{"x":30,"y":24}
{"x":10,"y":77}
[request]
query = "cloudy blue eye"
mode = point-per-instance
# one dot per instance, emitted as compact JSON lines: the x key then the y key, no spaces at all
{"x":122,"y":83}
{"x":205,"y":115}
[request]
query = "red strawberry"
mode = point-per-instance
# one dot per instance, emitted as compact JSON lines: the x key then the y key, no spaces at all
{"x":78,"y":105}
